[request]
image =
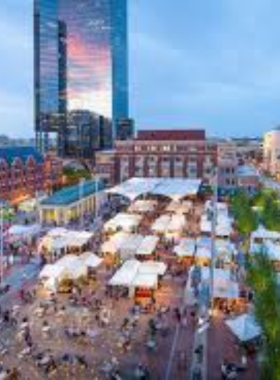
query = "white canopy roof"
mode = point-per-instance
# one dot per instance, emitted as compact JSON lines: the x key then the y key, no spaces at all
{"x":185,"y":248}
{"x":169,"y":224}
{"x":272,"y":250}
{"x":174,"y":188}
{"x":223,"y":226}
{"x":263,"y":233}
{"x":146,"y":280}
{"x":224,"y":287}
{"x":142,"y":206}
{"x":204,"y":241}
{"x":126,"y":274}
{"x":203,"y":253}
{"x":126,"y":222}
{"x":150,"y":267}
{"x":161,"y":224}
{"x":114,"y":243}
{"x":244,"y":327}
{"x":177,"y":223}
{"x":22,"y":231}
{"x":135,"y":273}
{"x":90,"y":259}
{"x":58,"y":239}
{"x":179,"y":207}
{"x":148,"y":245}
{"x":130,"y":245}
{"x":69,"y":266}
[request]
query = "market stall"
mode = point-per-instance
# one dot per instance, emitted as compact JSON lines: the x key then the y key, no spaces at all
{"x":123,"y":222}
{"x":185,"y":250}
{"x":140,"y":278}
{"x":147,"y":247}
{"x":142,"y":206}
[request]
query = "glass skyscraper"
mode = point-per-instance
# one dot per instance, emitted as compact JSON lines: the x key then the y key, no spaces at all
{"x":81,"y":72}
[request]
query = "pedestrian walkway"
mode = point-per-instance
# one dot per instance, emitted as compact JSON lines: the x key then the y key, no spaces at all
{"x":198,"y":367}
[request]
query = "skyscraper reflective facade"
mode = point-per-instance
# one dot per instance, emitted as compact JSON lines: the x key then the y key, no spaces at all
{"x":80,"y":69}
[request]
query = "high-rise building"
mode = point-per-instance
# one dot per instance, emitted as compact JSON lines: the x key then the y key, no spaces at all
{"x":80,"y":69}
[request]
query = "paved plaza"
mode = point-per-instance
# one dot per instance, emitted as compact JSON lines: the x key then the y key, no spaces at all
{"x":96,"y":332}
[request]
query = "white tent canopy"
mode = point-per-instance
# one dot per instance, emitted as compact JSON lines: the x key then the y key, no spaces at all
{"x":70,"y":266}
{"x":204,"y":241}
{"x":183,"y":207}
{"x":90,"y":259}
{"x":24,"y":231}
{"x":170,"y":224}
{"x":147,"y":246}
{"x":60,"y":238}
{"x":203,"y":253}
{"x":146,"y":280}
{"x":115,"y":242}
{"x":149,"y":267}
{"x":185,"y":248}
{"x":244,"y":327}
{"x":123,"y":221}
{"x":272,"y":250}
{"x":174,"y":188}
{"x":177,"y":223}
{"x":126,"y":274}
{"x":161,"y":224}
{"x":130,"y":245}
{"x":142,"y":206}
{"x":224,"y":286}
{"x":134,"y":273}
{"x":223,"y":226}
{"x":264,"y":234}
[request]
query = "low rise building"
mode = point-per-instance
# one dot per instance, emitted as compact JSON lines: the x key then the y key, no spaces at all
{"x":24,"y":172}
{"x":159,"y":153}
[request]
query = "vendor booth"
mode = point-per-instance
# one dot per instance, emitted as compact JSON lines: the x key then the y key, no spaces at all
{"x":141,"y":279}
{"x":185,"y":250}
{"x":123,"y":222}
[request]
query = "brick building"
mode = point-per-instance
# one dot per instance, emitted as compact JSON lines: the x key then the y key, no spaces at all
{"x":23,"y":172}
{"x":159,"y":153}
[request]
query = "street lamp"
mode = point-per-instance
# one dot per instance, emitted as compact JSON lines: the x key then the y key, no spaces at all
{"x":213,"y":235}
{"x":1,"y":241}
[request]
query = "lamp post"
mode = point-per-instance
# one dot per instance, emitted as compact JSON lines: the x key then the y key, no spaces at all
{"x":213,"y":235}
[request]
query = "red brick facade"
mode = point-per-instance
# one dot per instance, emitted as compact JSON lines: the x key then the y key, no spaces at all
{"x":22,"y":179}
{"x":159,"y":154}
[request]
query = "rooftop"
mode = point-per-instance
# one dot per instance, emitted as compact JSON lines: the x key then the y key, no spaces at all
{"x":21,"y":152}
{"x":72,"y":194}
{"x":171,"y":134}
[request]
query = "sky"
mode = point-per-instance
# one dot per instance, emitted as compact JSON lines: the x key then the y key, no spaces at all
{"x":208,"y":64}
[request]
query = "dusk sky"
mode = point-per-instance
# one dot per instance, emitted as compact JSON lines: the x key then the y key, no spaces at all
{"x":211,"y":64}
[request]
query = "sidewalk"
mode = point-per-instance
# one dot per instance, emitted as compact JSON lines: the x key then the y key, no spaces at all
{"x":199,"y":361}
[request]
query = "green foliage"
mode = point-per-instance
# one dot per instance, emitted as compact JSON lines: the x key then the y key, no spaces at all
{"x":263,"y":280}
{"x":271,"y":214}
{"x":75,"y":175}
{"x":246,"y":218}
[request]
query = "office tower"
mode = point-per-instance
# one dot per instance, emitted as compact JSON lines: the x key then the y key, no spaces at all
{"x":80,"y":70}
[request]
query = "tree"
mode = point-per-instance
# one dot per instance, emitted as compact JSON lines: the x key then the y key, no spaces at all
{"x":271,"y":214}
{"x":263,"y":280}
{"x":246,"y":218}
